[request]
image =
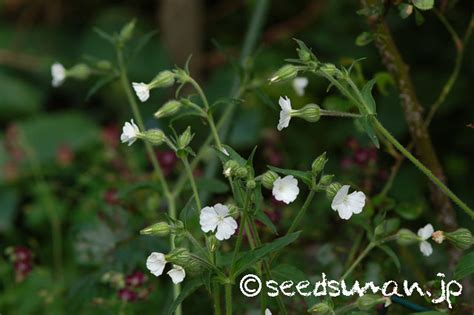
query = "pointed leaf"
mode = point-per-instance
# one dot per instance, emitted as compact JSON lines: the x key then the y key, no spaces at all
{"x":465,"y":267}
{"x":305,"y":176}
{"x":367,"y":95}
{"x":188,"y":288}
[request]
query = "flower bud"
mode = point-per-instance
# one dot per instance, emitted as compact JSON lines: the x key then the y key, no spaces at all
{"x":185,"y":138}
{"x":326,"y":180}
{"x":154,"y":136}
{"x":332,"y":190}
{"x":241,"y":172}
{"x":163,"y":79}
{"x":168,"y":109}
{"x":284,"y":73}
{"x":369,"y":301}
{"x":230,"y":167}
{"x":251,"y":184}
{"x":321,"y":308}
{"x":438,"y":237}
{"x":310,"y":112}
{"x":268,"y":178}
{"x":407,"y":237}
{"x":80,"y":71}
{"x":104,"y":65}
{"x":318,"y":164}
{"x":233,"y":210}
{"x":182,"y":257}
{"x":303,"y":54}
{"x":157,"y":229}
{"x":329,"y":69}
{"x":213,"y":243}
{"x":127,"y":31}
{"x":461,"y":238}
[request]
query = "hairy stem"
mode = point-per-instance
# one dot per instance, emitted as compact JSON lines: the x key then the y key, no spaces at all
{"x":228,"y":299}
{"x":189,"y":172}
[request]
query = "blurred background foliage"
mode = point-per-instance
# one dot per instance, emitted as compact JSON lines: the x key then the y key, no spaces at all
{"x":65,"y":175}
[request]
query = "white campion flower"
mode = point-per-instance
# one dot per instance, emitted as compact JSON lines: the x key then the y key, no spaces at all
{"x":285,"y":189}
{"x":425,"y":233}
{"x":348,"y":204}
{"x":130,"y":132}
{"x":177,"y":274}
{"x":142,"y":90}
{"x":299,"y":84}
{"x":268,"y":312}
{"x":285,"y":113}
{"x":156,"y":263}
{"x":217,"y":217}
{"x":58,"y":72}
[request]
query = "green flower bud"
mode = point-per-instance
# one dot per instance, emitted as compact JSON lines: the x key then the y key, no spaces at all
{"x":233,"y":210}
{"x":318,"y":164}
{"x":461,"y":238}
{"x":127,"y":31}
{"x":213,"y":243}
{"x":251,"y":184}
{"x":168,"y":109}
{"x":157,"y":229}
{"x":310,"y":112}
{"x":80,"y":71}
{"x":321,"y":308}
{"x":284,"y":73}
{"x":104,"y":65}
{"x":230,"y":167}
{"x":329,"y":69}
{"x":326,"y":180}
{"x":185,"y":138}
{"x":163,"y":79}
{"x":241,"y":172}
{"x":369,"y":301}
{"x":303,"y":54}
{"x":332,"y":190}
{"x":182,"y":257}
{"x":407,"y":237}
{"x":268,"y":178}
{"x":154,"y":136}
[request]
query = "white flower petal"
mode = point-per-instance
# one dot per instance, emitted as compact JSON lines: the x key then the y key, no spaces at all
{"x":284,"y":121}
{"x":268,"y":312}
{"x":426,"y":248}
{"x":425,"y":232}
{"x":339,"y":197}
{"x":285,"y":104}
{"x":348,"y":204}
{"x":177,"y":274}
{"x":129,"y":132}
{"x":58,"y":73}
{"x":345,"y":212}
{"x":285,"y":189}
{"x":226,"y":228}
{"x":142,"y":90}
{"x":299,"y":85}
{"x":208,"y":219}
{"x":221,"y":209}
{"x":156,"y":263}
{"x":356,"y":201}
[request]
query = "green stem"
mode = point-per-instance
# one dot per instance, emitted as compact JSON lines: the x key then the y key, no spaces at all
{"x":192,"y":181}
{"x":301,"y":213}
{"x":422,"y":167}
{"x":333,"y":113}
{"x":216,"y":290}
{"x":156,"y":166}
{"x":358,"y":260}
{"x":228,"y":299}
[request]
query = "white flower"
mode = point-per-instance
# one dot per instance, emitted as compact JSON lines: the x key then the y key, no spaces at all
{"x":142,"y":90}
{"x":177,"y":274}
{"x":285,"y":189}
{"x":268,"y":312}
{"x":218,"y":217}
{"x":156,"y":263}
{"x":58,"y":72}
{"x":424,"y":234}
{"x":285,"y":113}
{"x":299,"y":84}
{"x":130,"y":132}
{"x":348,"y":204}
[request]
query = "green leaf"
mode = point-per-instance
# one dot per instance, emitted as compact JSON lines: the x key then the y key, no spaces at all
{"x":410,"y":211}
{"x":423,"y":4}
{"x":419,"y":18}
{"x":212,"y":185}
{"x":367,"y":95}
{"x":384,"y":80}
{"x":465,"y":267}
{"x":250,"y":258}
{"x":369,"y":130}
{"x":233,"y":155}
{"x":305,"y":176}
{"x":102,"y":82}
{"x":392,"y":256}
{"x":364,"y":39}
{"x":188,"y":288}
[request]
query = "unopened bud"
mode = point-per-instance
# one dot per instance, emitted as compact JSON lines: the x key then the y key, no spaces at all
{"x":284,"y":73}
{"x":329,"y":69}
{"x":80,"y":71}
{"x":369,"y":301}
{"x":154,"y":136}
{"x":461,"y":238}
{"x":318,"y":164}
{"x":438,"y":237}
{"x":332,"y":190}
{"x":268,"y":178}
{"x":127,"y":31}
{"x":168,"y":109}
{"x":326,"y":180}
{"x":303,"y":54}
{"x":104,"y":65}
{"x":213,"y":243}
{"x":185,"y":138}
{"x":230,"y":167}
{"x":241,"y":172}
{"x":251,"y":184}
{"x":310,"y":112}
{"x":157,"y":229}
{"x":407,"y":237}
{"x":321,"y":308}
{"x":163,"y":79}
{"x":182,"y":257}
